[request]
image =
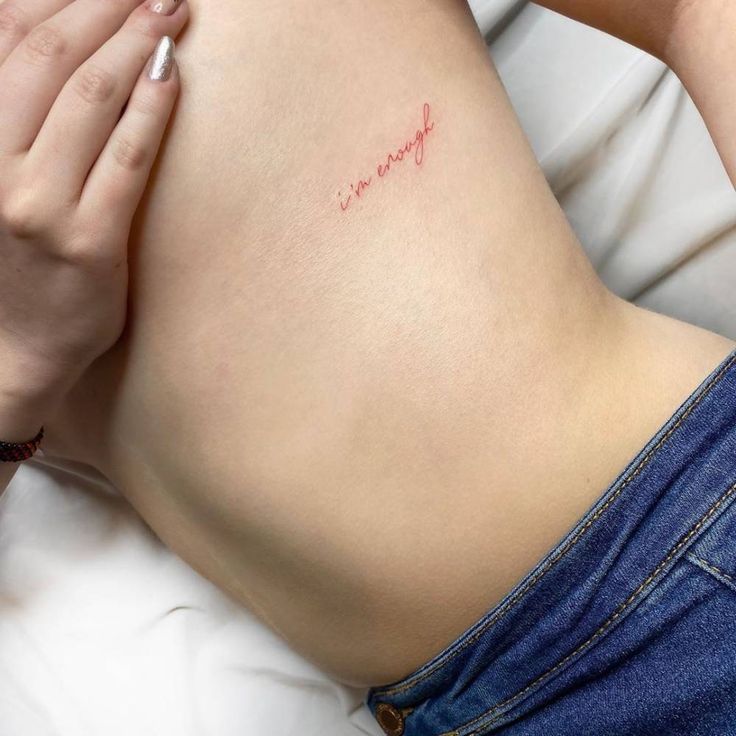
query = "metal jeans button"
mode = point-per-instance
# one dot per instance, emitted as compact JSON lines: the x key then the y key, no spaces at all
{"x":390,"y":719}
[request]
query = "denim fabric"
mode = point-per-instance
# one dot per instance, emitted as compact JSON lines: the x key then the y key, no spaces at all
{"x":627,"y":627}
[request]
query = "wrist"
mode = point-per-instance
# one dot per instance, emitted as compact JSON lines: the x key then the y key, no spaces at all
{"x":27,"y":399}
{"x":20,"y":421}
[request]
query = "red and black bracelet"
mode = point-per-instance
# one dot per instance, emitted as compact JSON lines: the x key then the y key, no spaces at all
{"x":16,"y":452}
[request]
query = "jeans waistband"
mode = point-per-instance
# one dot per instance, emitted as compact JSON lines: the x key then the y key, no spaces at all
{"x":644,"y":522}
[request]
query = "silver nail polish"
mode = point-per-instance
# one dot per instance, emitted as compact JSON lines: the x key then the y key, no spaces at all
{"x":162,"y":60}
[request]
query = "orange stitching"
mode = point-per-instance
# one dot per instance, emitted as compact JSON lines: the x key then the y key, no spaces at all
{"x":707,"y":564}
{"x":608,"y":622}
{"x":564,"y":550}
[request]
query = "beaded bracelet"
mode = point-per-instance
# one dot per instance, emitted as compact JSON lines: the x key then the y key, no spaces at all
{"x":16,"y":452}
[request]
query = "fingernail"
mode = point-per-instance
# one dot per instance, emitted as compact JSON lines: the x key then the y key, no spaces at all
{"x":164,"y":7}
{"x":162,"y":60}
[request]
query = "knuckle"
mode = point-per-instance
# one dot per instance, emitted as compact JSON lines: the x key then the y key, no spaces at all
{"x":13,"y":21}
{"x":94,"y":85}
{"x":45,"y":44}
{"x":78,"y":255}
{"x":20,"y":214}
{"x":88,"y":254}
{"x":129,"y":154}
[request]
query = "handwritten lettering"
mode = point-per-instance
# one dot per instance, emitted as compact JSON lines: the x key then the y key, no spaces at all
{"x":415,"y":145}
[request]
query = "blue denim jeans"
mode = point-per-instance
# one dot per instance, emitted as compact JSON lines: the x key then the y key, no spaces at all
{"x":628,"y":626}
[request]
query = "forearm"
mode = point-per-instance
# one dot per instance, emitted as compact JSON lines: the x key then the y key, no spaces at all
{"x":696,"y":38}
{"x":702,"y":51}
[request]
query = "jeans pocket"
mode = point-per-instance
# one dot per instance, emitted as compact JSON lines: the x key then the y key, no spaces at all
{"x":667,"y":666}
{"x":715,"y":551}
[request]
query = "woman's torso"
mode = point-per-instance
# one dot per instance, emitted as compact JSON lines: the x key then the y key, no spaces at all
{"x":366,"y":410}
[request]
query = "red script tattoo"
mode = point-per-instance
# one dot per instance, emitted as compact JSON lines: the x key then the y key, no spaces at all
{"x":415,"y":145}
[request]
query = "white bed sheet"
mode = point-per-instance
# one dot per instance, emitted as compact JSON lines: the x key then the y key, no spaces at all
{"x":104,"y":631}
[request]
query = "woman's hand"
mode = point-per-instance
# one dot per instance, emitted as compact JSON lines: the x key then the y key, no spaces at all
{"x":72,"y":172}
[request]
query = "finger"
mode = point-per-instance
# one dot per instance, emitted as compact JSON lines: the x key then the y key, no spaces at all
{"x":35,"y":72}
{"x":118,"y":179}
{"x":19,"y":17}
{"x":39,"y":66}
{"x":88,"y":108}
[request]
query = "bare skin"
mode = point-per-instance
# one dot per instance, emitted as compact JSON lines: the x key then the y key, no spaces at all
{"x":366,"y":425}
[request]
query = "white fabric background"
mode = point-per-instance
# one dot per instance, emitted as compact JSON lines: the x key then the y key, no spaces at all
{"x":103,"y":631}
